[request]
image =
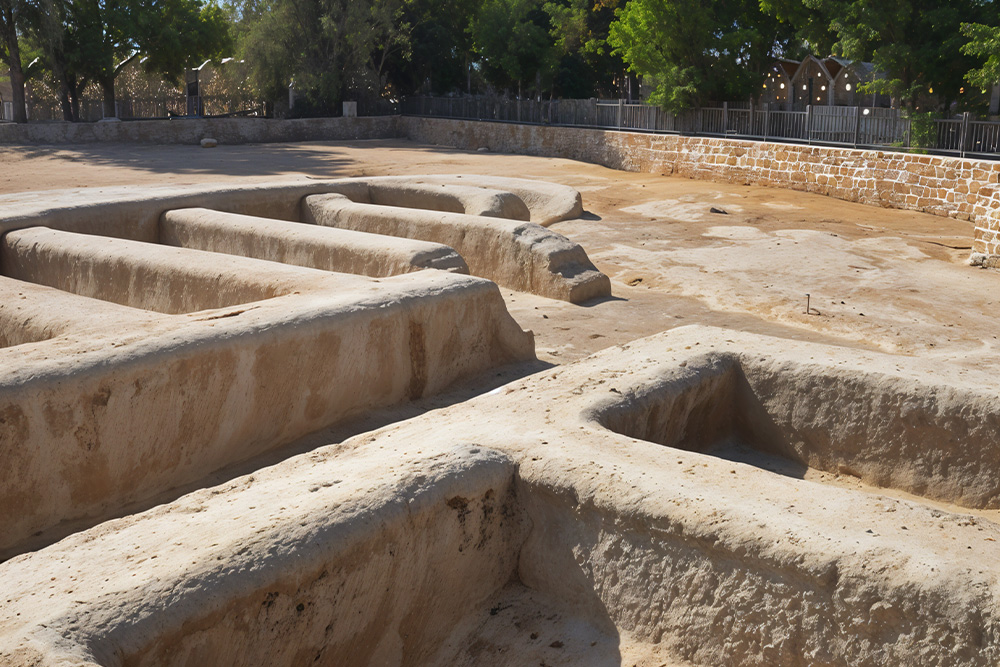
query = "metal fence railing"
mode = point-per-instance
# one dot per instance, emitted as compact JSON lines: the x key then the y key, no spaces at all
{"x":174,"y":106}
{"x":128,"y":108}
{"x":864,"y":127}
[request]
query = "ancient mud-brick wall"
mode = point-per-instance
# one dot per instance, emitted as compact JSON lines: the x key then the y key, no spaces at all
{"x":963,"y":189}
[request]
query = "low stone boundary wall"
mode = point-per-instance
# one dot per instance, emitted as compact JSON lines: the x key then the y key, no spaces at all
{"x":193,"y":130}
{"x":958,"y":188}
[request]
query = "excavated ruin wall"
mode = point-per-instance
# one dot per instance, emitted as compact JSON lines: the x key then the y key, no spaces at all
{"x":534,"y":259}
{"x":937,"y":443}
{"x":714,"y":596}
{"x":94,"y":422}
{"x":130,"y":212}
{"x":965,"y":189}
{"x":714,"y":561}
{"x":313,"y":246}
{"x":143,"y":275}
{"x":959,"y":188}
{"x":389,"y":595}
{"x":321,"y":581}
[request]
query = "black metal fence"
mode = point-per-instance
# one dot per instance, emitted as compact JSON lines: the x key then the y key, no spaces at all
{"x":144,"y":108}
{"x":206,"y":106}
{"x":862,"y":127}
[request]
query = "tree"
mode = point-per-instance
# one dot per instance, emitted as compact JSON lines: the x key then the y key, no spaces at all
{"x":512,"y":39}
{"x":99,"y":38}
{"x":811,"y":20}
{"x":698,"y":50}
{"x":439,"y":58}
{"x":915,"y":45}
{"x":171,"y":34}
{"x":14,"y":16}
{"x":586,"y":65}
{"x":327,"y":48}
{"x":984,"y":45}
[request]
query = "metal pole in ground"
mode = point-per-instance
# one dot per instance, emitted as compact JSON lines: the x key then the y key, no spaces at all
{"x":964,"y":135}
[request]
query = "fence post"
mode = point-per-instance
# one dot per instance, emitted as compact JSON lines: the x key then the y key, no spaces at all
{"x":964,"y":135}
{"x":767,"y":119}
{"x":725,"y":119}
{"x":857,"y":125}
{"x":621,"y":108}
{"x":809,"y":123}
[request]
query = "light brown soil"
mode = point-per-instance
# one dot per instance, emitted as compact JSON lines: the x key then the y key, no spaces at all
{"x":878,"y":278}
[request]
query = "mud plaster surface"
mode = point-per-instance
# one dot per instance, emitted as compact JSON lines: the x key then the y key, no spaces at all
{"x":890,"y":280}
{"x":884,"y":280}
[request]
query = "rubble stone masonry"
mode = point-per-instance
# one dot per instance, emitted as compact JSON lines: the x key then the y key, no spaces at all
{"x":959,"y":188}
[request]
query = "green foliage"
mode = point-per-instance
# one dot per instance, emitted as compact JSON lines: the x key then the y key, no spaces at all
{"x":587,"y":67}
{"x":439,"y":56}
{"x":698,"y":50}
{"x":182,"y":33}
{"x":331,"y":50}
{"x":512,"y":39}
{"x":688,"y":51}
{"x":92,"y":41}
{"x":983,"y":44}
{"x":923,"y":132}
{"x":915,"y":45}
{"x":811,"y":20}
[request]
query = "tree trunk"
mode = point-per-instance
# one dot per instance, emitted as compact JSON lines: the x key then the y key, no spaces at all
{"x":16,"y":74}
{"x":65,"y":90}
{"x":108,"y":91}
{"x":17,"y":83}
{"x":67,"y":107}
{"x":73,"y":87}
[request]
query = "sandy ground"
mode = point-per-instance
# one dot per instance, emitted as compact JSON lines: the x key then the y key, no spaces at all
{"x":877,"y":278}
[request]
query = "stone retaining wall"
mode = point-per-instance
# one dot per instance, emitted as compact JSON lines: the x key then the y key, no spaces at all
{"x":193,"y":130}
{"x":958,"y":188}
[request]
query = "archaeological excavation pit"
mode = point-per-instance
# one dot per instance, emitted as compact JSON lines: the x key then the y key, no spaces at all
{"x":157,"y":337}
{"x":701,"y":497}
{"x":881,"y":429}
{"x":569,"y":518}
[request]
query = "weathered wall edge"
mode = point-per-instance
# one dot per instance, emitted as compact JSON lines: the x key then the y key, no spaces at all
{"x":964,"y":189}
{"x":958,"y":188}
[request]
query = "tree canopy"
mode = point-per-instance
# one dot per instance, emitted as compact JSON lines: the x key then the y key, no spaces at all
{"x":698,"y":50}
{"x":916,"y":46}
{"x":83,"y":42}
{"x":686,"y":52}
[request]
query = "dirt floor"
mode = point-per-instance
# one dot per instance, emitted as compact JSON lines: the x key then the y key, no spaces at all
{"x":678,"y":251}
